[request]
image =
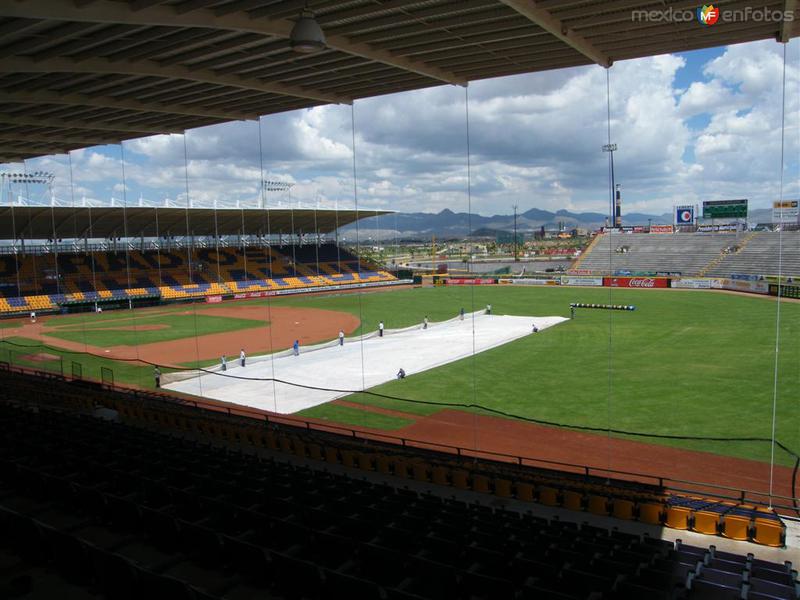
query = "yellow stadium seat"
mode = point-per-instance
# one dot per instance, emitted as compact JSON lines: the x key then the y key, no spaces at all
{"x":524,"y":491}
{"x":460,"y":479}
{"x":677,"y":517}
{"x":572,"y":500}
{"x":331,"y":455}
{"x":622,"y":509}
{"x":366,"y":461}
{"x":400,"y":467}
{"x":597,"y":505}
{"x":420,"y":471}
{"x":502,"y":488}
{"x":736,"y":527}
{"x":315,"y":452}
{"x":548,"y":496}
{"x":384,"y":464}
{"x":480,"y":483}
{"x":768,"y":532}
{"x":705,"y":522}
{"x":285,"y":443}
{"x":439,"y":475}
{"x":349,"y":458}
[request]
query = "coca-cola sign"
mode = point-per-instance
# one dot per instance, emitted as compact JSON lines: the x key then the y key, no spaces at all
{"x":636,"y":282}
{"x":644,"y":283}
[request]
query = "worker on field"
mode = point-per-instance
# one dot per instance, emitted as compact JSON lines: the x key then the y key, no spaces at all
{"x":380,"y":329}
{"x":401,"y":374}
{"x":296,"y":347}
{"x":425,"y":322}
{"x":242,"y":356}
{"x":341,"y":337}
{"x":224,"y":363}
{"x":488,"y":309}
{"x":157,"y":376}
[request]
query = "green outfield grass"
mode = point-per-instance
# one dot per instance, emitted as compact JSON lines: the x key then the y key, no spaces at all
{"x":684,"y":363}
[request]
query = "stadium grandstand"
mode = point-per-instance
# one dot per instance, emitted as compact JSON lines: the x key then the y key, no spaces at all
{"x":123,"y":491}
{"x":702,"y":254}
{"x":219,"y":258}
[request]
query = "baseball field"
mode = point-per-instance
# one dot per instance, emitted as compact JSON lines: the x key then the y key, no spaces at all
{"x":684,"y":365}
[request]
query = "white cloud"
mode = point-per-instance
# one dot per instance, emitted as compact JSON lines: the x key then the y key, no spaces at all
{"x":535,"y":140}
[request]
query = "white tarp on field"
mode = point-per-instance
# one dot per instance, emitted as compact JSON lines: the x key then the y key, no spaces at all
{"x":359,"y":364}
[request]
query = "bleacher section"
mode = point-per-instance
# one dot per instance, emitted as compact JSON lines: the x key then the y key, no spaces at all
{"x":44,"y":282}
{"x":683,"y":253}
{"x":760,"y":256}
{"x":707,"y":254}
{"x":112,"y":510}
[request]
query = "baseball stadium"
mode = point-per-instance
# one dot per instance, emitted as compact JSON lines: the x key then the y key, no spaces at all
{"x":267,"y":400}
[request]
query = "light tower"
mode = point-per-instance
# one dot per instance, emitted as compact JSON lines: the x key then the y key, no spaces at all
{"x":24,"y":178}
{"x":611,"y":148}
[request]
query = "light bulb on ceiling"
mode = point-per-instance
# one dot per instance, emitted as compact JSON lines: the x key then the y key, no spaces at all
{"x":307,"y":36}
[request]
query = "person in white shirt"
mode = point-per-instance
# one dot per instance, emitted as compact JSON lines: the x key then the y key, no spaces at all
{"x":242,"y":356}
{"x":341,"y":337}
{"x":33,"y":316}
{"x":380,"y":329}
{"x":224,"y":363}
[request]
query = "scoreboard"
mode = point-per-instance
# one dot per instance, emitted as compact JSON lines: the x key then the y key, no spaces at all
{"x":725,"y":209}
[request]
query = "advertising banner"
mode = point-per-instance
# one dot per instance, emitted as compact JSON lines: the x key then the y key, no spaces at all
{"x":636,"y":282}
{"x":717,"y":228}
{"x":684,"y":215}
{"x":786,"y":211}
{"x":698,"y":283}
{"x":213,"y":299}
{"x":465,"y":281}
{"x":526,"y":281}
{"x":661,"y":229}
{"x":582,"y":281}
{"x":754,"y":287}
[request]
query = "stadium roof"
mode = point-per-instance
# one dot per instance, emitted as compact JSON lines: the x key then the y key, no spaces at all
{"x":76,"y":73}
{"x":40,"y":222}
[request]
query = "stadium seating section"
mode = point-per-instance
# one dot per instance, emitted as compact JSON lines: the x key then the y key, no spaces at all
{"x":101,"y":509}
{"x":41,"y":282}
{"x":708,"y":254}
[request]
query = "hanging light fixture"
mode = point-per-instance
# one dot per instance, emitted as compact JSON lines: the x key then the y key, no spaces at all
{"x":307,"y":36}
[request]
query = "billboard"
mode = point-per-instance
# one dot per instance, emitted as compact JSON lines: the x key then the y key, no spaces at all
{"x":786,"y":211}
{"x":582,"y":281}
{"x":468,"y":281}
{"x":787,"y":291}
{"x":684,"y":215}
{"x":725,"y":209}
{"x":697,"y":283}
{"x":661,"y":229}
{"x":727,"y":227}
{"x":636,"y":282}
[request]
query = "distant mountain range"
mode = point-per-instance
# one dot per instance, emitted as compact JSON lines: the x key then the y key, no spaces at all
{"x":449,"y":224}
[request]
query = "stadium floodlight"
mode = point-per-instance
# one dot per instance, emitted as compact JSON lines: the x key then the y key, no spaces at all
{"x":307,"y":36}
{"x":611,"y":148}
{"x":277,"y":186}
{"x":36,"y":177}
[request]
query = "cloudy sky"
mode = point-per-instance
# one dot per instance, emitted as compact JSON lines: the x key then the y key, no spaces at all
{"x":690,"y":127}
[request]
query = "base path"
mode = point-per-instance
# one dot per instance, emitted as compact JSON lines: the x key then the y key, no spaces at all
{"x":358,"y":364}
